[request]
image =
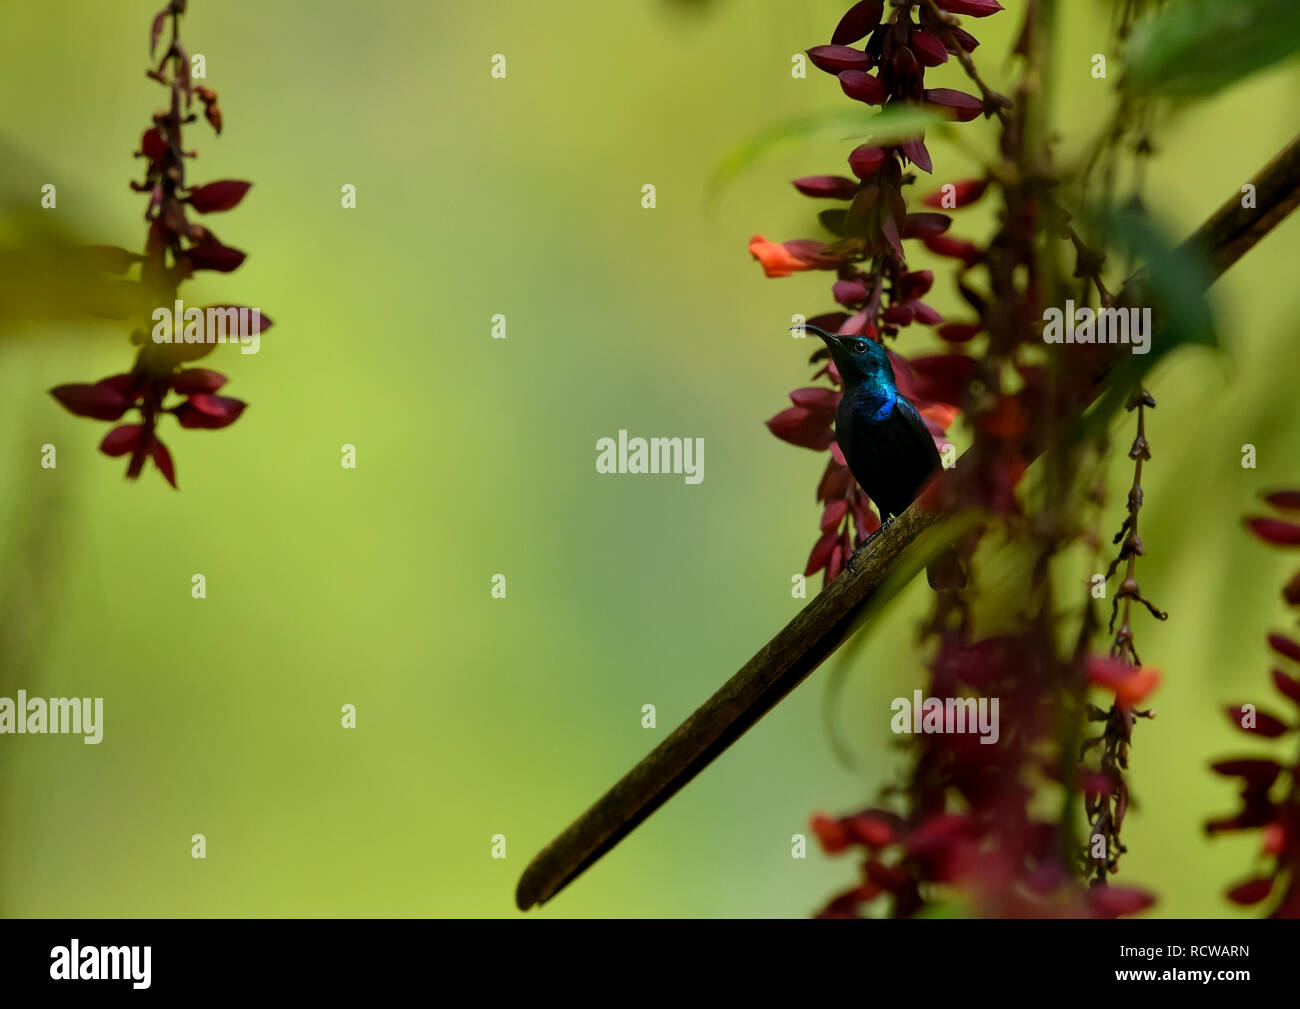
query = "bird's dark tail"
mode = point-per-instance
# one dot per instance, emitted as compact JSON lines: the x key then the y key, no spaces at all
{"x":945,"y":572}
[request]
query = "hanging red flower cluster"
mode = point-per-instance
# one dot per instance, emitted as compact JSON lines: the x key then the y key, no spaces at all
{"x":1270,"y":789}
{"x":877,"y":292}
{"x":175,"y":248}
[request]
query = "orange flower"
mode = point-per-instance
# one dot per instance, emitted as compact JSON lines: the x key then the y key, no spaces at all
{"x":777,"y":260}
{"x":943,"y":414}
{"x":1130,"y":685}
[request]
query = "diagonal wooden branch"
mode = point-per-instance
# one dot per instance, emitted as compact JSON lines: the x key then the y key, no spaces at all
{"x":828,"y":620}
{"x":1233,"y":230}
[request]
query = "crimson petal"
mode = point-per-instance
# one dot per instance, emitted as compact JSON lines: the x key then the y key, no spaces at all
{"x":802,"y":427}
{"x":121,"y":440}
{"x":834,"y":187}
{"x":216,"y":196}
{"x":862,"y":87}
{"x":858,"y":21}
{"x":163,"y":460}
{"x":963,"y":107}
{"x":101,"y":401}
{"x":835,"y":58}
{"x":1275,"y":531}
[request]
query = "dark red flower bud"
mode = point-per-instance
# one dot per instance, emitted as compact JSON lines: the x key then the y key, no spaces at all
{"x":1284,"y":646}
{"x":925,"y":225}
{"x":834,"y":515}
{"x":820,"y":557}
{"x":163,"y":460}
{"x":1258,"y":773}
{"x":914,"y":284}
{"x":1286,"y":499}
{"x":193,"y":380}
{"x":862,"y":87}
{"x":860,"y":19}
{"x":1287,"y":686}
{"x":905,"y":64}
{"x":217,"y":196}
{"x":1252,"y":891}
{"x":924,"y":314}
{"x":152,"y":145}
{"x":204,"y":410}
{"x":835,"y":482}
{"x":961,"y":106}
{"x":125,"y":384}
{"x":964,"y":39}
{"x":1253,"y":816}
{"x":850,"y":293}
{"x":865,"y":160}
{"x":833,"y":59}
{"x":956,"y":248}
{"x":971,"y":8}
{"x":965,"y":192}
{"x":1291,"y":591}
{"x":103,"y":400}
{"x":240,"y":320}
{"x":1258,"y":722}
{"x":928,"y":49}
{"x":898,"y":315}
{"x":802,"y":427}
{"x":121,"y":440}
{"x":834,"y":187}
{"x":918,"y":153}
{"x":959,"y":332}
{"x":1275,"y":531}
{"x":212,"y":255}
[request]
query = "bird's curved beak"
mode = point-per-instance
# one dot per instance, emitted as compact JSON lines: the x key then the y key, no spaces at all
{"x":830,"y":339}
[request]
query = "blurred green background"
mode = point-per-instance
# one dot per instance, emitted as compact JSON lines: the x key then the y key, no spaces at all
{"x":326,"y":586}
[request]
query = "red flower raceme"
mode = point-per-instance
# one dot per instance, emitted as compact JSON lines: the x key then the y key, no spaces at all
{"x":175,"y":247}
{"x":1269,"y":789}
{"x":112,"y":397}
{"x":872,"y":282}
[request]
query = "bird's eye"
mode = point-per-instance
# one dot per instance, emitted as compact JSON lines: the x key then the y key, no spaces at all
{"x":859,"y":346}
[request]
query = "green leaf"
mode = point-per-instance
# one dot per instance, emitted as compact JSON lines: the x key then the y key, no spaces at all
{"x":1193,"y":48}
{"x":892,"y":124}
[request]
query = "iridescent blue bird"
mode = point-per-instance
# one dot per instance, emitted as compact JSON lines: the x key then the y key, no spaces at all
{"x":884,"y":440}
